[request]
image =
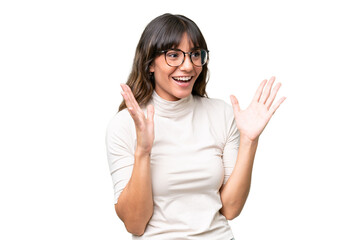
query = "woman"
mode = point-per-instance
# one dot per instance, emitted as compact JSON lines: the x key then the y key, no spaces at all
{"x":180,"y":162}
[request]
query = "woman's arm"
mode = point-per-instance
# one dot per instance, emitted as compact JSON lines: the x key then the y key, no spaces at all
{"x":250,"y":123}
{"x":135,"y":203}
{"x":234,"y":193}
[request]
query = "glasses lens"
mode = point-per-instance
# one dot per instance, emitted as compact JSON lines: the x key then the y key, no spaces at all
{"x":199,"y":57}
{"x":174,"y":57}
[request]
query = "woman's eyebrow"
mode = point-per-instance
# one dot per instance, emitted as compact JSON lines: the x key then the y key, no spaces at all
{"x":191,"y":49}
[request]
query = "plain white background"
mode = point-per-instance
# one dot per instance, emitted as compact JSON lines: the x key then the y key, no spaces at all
{"x":61,"y":63}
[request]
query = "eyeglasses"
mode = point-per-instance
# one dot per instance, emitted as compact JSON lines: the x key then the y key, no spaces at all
{"x":176,"y":57}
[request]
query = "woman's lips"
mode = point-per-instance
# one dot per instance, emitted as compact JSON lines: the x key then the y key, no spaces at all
{"x":183,"y":81}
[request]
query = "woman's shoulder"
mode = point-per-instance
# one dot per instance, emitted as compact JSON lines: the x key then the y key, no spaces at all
{"x":218,"y":113}
{"x":214,"y":104}
{"x":121,"y":119}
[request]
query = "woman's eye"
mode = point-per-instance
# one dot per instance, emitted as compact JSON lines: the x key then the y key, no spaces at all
{"x":196,"y":54}
{"x":172,"y":54}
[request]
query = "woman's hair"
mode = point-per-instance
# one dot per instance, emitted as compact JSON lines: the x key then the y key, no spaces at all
{"x":162,"y":33}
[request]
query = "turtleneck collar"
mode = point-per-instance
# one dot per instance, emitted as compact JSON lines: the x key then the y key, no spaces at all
{"x":167,"y":108}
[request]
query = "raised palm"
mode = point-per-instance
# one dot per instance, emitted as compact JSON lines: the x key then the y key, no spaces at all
{"x":144,"y":125}
{"x":253,"y":120}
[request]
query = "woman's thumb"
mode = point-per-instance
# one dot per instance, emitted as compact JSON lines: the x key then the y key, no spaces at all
{"x":150,"y":112}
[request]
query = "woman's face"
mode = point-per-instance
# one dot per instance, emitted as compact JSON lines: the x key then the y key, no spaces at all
{"x":166,"y":85}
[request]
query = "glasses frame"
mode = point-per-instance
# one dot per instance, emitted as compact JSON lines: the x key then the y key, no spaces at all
{"x":189,"y":53}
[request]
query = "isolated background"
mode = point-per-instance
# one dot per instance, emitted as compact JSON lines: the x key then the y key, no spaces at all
{"x":61,"y":63}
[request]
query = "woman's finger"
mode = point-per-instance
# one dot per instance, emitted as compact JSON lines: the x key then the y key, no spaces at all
{"x":259,"y":91}
{"x":277,"y":105}
{"x":150,"y":113}
{"x":132,"y":99}
{"x":267,"y":90}
{"x":235,"y":104}
{"x":126,"y":99}
{"x":272,"y":97}
{"x":132,"y":106}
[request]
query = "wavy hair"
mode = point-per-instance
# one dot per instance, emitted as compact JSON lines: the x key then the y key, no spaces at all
{"x":162,"y":33}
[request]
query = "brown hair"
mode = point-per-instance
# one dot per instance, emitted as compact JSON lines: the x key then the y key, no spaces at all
{"x":162,"y":33}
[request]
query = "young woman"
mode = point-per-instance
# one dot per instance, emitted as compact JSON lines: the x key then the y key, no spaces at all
{"x":181,"y":162}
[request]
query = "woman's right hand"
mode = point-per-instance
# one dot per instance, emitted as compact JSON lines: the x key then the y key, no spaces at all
{"x":144,"y":125}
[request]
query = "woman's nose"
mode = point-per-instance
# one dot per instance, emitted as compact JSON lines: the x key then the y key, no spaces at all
{"x":187,"y":64}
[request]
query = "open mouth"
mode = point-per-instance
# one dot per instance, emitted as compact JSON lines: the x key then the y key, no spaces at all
{"x":182,"y":79}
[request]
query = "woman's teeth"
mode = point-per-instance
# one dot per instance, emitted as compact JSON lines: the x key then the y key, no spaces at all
{"x":184,"y":79}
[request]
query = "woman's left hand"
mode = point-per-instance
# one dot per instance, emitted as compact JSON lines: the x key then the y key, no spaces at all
{"x":252,"y":121}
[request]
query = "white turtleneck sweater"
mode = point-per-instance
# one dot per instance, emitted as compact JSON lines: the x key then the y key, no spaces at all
{"x":194,"y":152}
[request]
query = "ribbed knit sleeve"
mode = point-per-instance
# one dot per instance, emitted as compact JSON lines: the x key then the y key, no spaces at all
{"x":232,"y":143}
{"x":120,"y":146}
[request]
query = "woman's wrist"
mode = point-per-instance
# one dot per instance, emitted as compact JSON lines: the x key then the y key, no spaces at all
{"x":244,"y":140}
{"x":139,"y":153}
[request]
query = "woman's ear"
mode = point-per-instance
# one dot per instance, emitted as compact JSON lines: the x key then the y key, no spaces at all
{"x":151,"y":67}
